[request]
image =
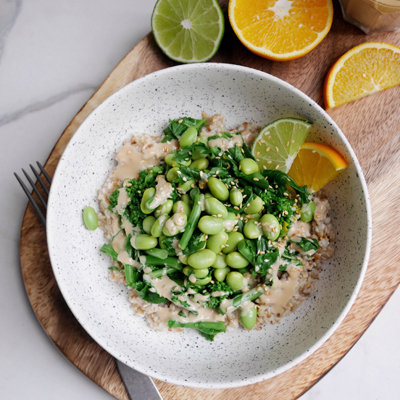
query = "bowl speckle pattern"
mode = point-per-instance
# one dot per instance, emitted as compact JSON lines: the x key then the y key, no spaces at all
{"x":238,"y":357}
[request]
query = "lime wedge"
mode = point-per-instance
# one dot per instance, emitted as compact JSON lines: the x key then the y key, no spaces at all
{"x":278,"y":143}
{"x":188,"y":31}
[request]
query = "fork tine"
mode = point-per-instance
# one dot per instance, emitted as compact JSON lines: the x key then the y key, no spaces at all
{"x":31,"y":200}
{"x":35,"y":189}
{"x":45,"y":174}
{"x":40,"y":180}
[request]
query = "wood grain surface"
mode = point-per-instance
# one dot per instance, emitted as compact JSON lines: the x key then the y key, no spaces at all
{"x":372,"y":125}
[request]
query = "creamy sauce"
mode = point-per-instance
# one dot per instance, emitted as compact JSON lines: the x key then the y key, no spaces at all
{"x":163,"y":192}
{"x":131,"y":161}
{"x":175,"y":245}
{"x":229,"y":224}
{"x":124,"y":258}
{"x":282,"y":290}
{"x":114,"y":224}
{"x":127,"y":226}
{"x":246,"y":308}
{"x":123,"y":200}
{"x":300,"y":228}
{"x":119,"y":242}
{"x":226,"y":144}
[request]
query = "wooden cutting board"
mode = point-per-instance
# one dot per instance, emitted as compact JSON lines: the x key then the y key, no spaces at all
{"x":372,"y":126}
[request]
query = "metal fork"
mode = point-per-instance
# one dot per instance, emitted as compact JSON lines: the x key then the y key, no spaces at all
{"x":138,"y":385}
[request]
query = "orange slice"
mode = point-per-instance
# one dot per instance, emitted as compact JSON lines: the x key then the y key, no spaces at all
{"x":363,"y":70}
{"x":281,"y":29}
{"x":316,"y":165}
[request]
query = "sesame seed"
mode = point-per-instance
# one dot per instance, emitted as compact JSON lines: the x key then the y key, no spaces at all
{"x":179,"y":172}
{"x":268,"y":162}
{"x":248,"y":204}
{"x":277,"y":166}
{"x":268,"y":148}
{"x":185,"y":179}
{"x":139,"y":191}
{"x":255,"y":179}
{"x":192,"y":185}
{"x":287,"y":144}
{"x":199,"y":203}
{"x":257,"y":159}
{"x":277,"y":150}
{"x":180,"y":121}
{"x":236,"y":208}
{"x":258,"y":153}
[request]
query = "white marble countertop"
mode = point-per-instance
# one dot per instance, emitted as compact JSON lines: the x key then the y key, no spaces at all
{"x":53,"y":55}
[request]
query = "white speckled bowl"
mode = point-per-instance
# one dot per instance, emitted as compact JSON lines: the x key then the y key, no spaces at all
{"x":102,"y":308}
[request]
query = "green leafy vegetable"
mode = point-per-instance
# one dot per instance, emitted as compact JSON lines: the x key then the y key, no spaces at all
{"x":215,"y":301}
{"x":176,"y":127}
{"x":307,"y":244}
{"x":205,"y":328}
{"x":108,"y":249}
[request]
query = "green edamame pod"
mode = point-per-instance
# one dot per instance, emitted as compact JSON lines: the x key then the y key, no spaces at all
{"x":188,"y":137}
{"x":172,"y":174}
{"x":236,"y":197}
{"x":270,"y":226}
{"x":235,"y":280}
{"x":218,"y":189}
{"x":215,"y":207}
{"x":214,"y":242}
{"x":158,"y":226}
{"x":233,"y":239}
{"x":248,"y":166}
{"x":148,"y":222}
{"x":211,"y":225}
{"x":181,"y":206}
{"x":185,"y":187}
{"x":143,"y":242}
{"x":248,"y":317}
{"x":219,"y":262}
{"x":147,"y":195}
{"x":201,"y":163}
{"x":255,"y":206}
{"x":307,"y":212}
{"x":90,"y":218}
{"x":251,"y":229}
{"x":202,"y":259}
{"x":221,"y":273}
{"x":164,"y":208}
{"x":236,"y":260}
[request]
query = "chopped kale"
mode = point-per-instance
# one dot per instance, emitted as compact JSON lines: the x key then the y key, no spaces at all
{"x":108,"y":249}
{"x":307,"y":244}
{"x":214,"y":302}
{"x":113,"y":199}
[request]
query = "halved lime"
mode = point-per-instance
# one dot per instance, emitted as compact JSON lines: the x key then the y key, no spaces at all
{"x":188,"y":31}
{"x":278,"y":143}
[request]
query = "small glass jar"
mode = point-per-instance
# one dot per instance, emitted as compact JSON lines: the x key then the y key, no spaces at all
{"x":371,"y":15}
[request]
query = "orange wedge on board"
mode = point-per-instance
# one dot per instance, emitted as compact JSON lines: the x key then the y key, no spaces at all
{"x":316,"y":165}
{"x":363,"y":70}
{"x":281,"y":29}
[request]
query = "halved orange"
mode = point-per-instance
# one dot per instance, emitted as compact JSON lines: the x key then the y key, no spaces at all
{"x":281,"y":29}
{"x":363,"y":70}
{"x":316,"y":165}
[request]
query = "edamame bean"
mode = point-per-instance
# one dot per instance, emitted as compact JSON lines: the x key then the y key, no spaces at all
{"x":90,"y":218}
{"x":230,"y":221}
{"x":218,"y":189}
{"x":164,"y":208}
{"x":172,"y":174}
{"x":248,"y":317}
{"x":208,"y":195}
{"x":251,"y":229}
{"x":188,"y":137}
{"x":201,"y":163}
{"x":255,"y":206}
{"x":270,"y":226}
{"x":202,"y":259}
{"x":198,"y":273}
{"x":175,"y":224}
{"x":183,"y":259}
{"x":221,"y":273}
{"x":235,"y":280}
{"x":215,"y":242}
{"x":307,"y":212}
{"x":233,"y":239}
{"x":147,"y":195}
{"x":236,"y":197}
{"x":161,"y":243}
{"x":254,"y":217}
{"x":158,"y":226}
{"x":181,"y":206}
{"x":170,"y":160}
{"x":143,"y":242}
{"x":211,"y":225}
{"x":148,"y":223}
{"x":215,"y":207}
{"x":248,"y":166}
{"x":186,"y":198}
{"x":236,"y":260}
{"x":203,"y":281}
{"x":185,"y":187}
{"x":219,"y":262}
